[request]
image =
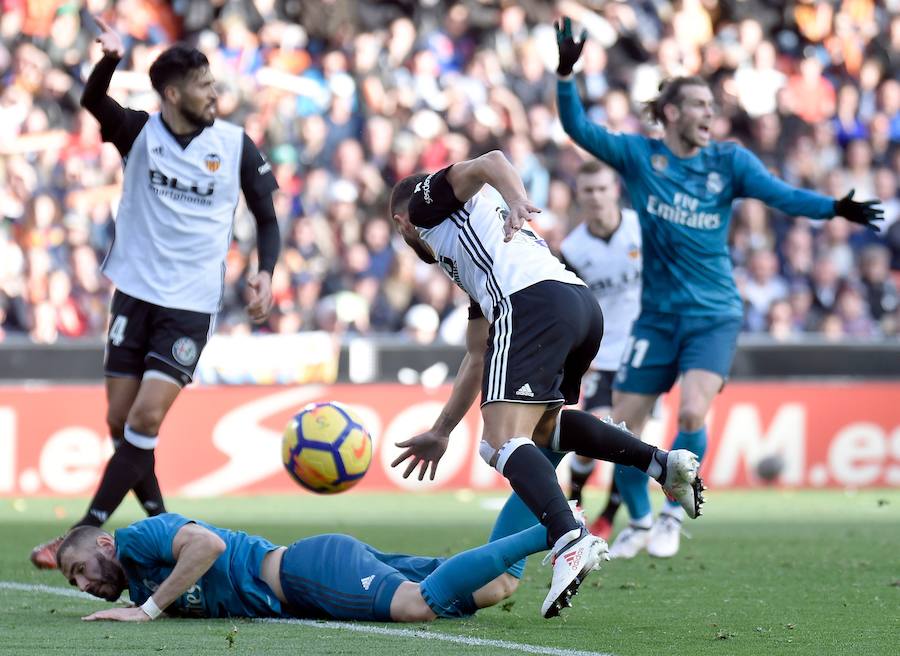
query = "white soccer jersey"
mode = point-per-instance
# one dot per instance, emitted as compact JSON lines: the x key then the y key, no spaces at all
{"x":173,"y":227}
{"x":468,"y":244}
{"x":612,"y":269}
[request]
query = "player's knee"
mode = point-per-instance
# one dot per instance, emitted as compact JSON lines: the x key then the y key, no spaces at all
{"x":506,"y":586}
{"x":501,"y":588}
{"x":115,"y":422}
{"x":146,"y":419}
{"x":691,"y":417}
{"x":408,"y":605}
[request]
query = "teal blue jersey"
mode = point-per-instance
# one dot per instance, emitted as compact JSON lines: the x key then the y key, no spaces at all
{"x":230,"y":588}
{"x":684,"y":205}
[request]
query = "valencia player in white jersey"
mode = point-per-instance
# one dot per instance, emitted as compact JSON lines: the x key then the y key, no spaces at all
{"x":605,"y":251}
{"x":534,"y":328}
{"x":183,"y":173}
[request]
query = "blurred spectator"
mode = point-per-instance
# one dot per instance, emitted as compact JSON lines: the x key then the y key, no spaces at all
{"x":881,"y":293}
{"x":853,"y":312}
{"x":347,"y":98}
{"x":421,"y":324}
{"x":762,"y":287}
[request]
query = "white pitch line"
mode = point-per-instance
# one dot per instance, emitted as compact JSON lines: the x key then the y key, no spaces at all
{"x":48,"y":589}
{"x":349,"y":626}
{"x":441,"y":637}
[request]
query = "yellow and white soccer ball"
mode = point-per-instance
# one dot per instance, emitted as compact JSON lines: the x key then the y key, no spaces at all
{"x":325,"y":448}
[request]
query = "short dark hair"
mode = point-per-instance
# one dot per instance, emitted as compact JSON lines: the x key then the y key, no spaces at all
{"x":403,"y":191}
{"x":592,"y":166}
{"x":77,"y":538}
{"x":174,"y":65}
{"x":669,"y":93}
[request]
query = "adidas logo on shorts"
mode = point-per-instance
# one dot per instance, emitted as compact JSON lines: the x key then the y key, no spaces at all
{"x":366,"y":582}
{"x":525,"y":390}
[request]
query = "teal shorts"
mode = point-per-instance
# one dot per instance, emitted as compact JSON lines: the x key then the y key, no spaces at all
{"x":338,"y":577}
{"x":662,"y":346}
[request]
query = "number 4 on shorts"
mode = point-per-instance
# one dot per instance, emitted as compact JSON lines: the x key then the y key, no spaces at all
{"x":117,"y":330}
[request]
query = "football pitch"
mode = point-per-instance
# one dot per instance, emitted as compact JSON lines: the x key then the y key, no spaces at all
{"x":766,"y":572}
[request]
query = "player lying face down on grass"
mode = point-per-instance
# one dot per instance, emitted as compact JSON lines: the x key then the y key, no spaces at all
{"x":185,"y":568}
{"x":534,"y":328}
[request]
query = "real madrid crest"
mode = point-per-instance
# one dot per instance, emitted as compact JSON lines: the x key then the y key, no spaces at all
{"x":714,"y":184}
{"x":659,"y":162}
{"x":213,"y":162}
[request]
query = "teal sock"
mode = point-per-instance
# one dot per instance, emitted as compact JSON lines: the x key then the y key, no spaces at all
{"x":456,"y":579}
{"x":693,"y":441}
{"x":515,"y":516}
{"x":632,"y":484}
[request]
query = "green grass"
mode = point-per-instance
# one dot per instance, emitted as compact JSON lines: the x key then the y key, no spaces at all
{"x":766,"y":572}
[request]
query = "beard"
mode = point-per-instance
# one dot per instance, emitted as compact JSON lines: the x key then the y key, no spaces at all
{"x":196,"y":119}
{"x":114,"y":580}
{"x":421,"y":250}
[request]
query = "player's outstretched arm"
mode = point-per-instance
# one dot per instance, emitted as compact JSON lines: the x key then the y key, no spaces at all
{"x":469,"y":176}
{"x":754,"y":181}
{"x":426,"y":449}
{"x":597,"y":140}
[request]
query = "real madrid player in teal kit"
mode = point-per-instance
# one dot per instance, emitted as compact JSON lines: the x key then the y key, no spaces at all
{"x":186,"y":568}
{"x":682,"y":187}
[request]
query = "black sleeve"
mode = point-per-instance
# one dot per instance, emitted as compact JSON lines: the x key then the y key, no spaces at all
{"x":118,"y":125}
{"x":268,"y":237}
{"x":433,"y":200}
{"x":474,"y":310}
{"x":257,"y":179}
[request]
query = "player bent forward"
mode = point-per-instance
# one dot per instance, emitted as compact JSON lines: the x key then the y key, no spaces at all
{"x":187,"y":568}
{"x":534,"y":328}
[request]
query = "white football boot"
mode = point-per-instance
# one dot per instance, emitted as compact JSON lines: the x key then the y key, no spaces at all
{"x":630,"y":541}
{"x":665,"y":536}
{"x":683,"y":483}
{"x":572,"y":563}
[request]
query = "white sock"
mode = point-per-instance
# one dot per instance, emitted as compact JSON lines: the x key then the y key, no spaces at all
{"x":565,"y":539}
{"x":643,"y":522}
{"x":673,"y":511}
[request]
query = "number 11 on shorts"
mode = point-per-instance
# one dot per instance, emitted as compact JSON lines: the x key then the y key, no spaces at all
{"x":635,"y":351}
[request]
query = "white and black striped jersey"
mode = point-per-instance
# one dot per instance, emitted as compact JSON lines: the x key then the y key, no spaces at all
{"x":467,"y":242}
{"x":612,"y":269}
{"x":174,"y":222}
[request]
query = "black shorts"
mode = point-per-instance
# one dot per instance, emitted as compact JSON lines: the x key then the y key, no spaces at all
{"x":143,"y":336}
{"x":597,"y":389}
{"x":542,"y":341}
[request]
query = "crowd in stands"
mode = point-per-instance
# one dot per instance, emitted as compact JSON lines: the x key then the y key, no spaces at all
{"x":345,"y":98}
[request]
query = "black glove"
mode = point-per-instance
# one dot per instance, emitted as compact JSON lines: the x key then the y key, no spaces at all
{"x":569,"y":48}
{"x":864,"y":213}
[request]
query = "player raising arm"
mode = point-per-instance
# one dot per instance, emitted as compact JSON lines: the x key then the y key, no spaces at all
{"x":682,"y":187}
{"x":184,"y":171}
{"x":534,"y":328}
